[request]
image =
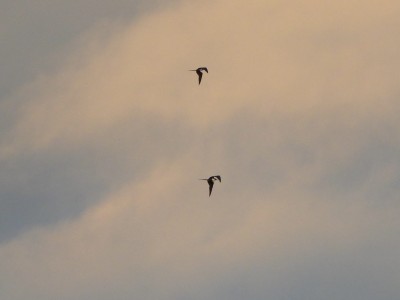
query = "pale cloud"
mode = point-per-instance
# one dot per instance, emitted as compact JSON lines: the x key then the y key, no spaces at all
{"x":298,"y":114}
{"x":134,"y":72}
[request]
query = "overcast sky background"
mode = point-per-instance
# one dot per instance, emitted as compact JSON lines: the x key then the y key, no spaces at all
{"x":104,"y":134}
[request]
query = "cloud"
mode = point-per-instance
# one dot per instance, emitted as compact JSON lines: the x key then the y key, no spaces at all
{"x":38,"y":36}
{"x":298,"y":114}
{"x":140,"y":243}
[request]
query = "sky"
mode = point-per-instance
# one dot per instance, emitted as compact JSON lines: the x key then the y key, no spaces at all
{"x":104,"y":134}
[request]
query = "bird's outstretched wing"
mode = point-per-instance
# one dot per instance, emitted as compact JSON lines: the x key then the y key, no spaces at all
{"x":200,"y":75}
{"x":210,"y":187}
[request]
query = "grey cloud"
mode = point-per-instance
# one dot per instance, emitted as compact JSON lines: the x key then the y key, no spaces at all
{"x":44,"y":187}
{"x":37,"y":35}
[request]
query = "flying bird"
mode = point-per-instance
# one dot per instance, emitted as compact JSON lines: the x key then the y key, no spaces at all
{"x":199,"y":72}
{"x":210,"y":182}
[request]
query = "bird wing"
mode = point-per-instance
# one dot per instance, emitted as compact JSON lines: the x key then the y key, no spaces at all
{"x":200,"y":75}
{"x":218,"y":177}
{"x":205,"y":69}
{"x":210,"y":187}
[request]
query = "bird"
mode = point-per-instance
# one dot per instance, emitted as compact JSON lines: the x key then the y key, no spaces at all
{"x":210,"y":182}
{"x":199,"y":72}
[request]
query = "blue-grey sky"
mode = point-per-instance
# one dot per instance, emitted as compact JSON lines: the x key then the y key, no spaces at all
{"x":104,"y":134}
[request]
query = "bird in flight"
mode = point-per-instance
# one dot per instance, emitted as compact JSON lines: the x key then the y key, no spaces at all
{"x":199,"y":72}
{"x":210,"y":182}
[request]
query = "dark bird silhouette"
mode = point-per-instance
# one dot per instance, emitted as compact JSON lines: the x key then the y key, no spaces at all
{"x":199,"y":72}
{"x":210,"y":182}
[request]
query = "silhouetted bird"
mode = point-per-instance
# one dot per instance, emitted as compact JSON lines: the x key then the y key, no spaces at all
{"x":210,"y":182}
{"x":199,"y":72}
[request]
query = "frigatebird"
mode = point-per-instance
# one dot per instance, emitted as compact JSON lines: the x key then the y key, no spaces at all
{"x":210,"y":182}
{"x":199,"y":72}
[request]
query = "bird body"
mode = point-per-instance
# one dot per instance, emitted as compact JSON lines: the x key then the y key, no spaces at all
{"x":199,"y":72}
{"x":210,"y":182}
